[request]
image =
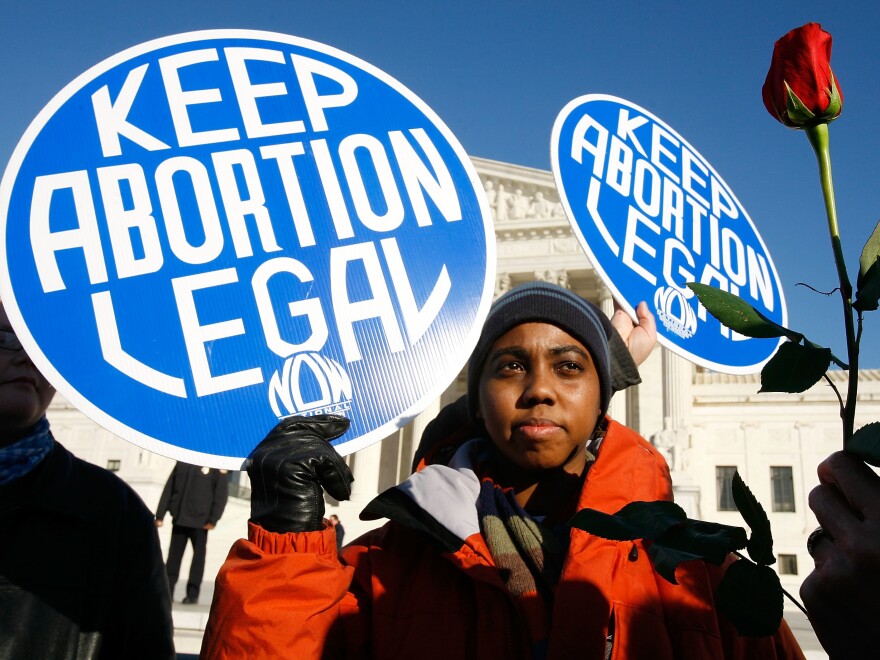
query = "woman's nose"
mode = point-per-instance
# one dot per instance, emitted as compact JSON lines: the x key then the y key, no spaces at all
{"x":539,"y":387}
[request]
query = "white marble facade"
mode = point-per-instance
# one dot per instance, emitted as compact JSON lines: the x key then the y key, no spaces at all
{"x":699,"y":420}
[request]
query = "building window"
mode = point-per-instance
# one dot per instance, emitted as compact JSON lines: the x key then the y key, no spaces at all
{"x":788,"y":564}
{"x":113,"y":464}
{"x":724,"y":487}
{"x":782,"y":488}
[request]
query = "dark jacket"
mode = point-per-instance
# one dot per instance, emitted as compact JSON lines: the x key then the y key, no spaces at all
{"x":194,"y":495}
{"x":81,"y":572}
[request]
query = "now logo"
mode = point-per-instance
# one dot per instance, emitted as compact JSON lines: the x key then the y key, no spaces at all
{"x":310,"y":384}
{"x":674,"y":312}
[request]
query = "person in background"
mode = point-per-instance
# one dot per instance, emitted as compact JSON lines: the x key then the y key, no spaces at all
{"x":477,"y":559}
{"x":196,"y":497}
{"x":81,"y":570}
{"x":340,"y":530}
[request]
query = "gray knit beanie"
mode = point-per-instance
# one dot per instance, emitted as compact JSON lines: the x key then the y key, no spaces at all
{"x":542,"y":302}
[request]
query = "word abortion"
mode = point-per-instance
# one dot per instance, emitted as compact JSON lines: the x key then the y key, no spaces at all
{"x":679,"y":203}
{"x":122,"y":223}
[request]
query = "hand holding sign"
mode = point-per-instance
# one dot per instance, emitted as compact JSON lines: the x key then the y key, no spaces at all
{"x":291,"y":468}
{"x":640,"y":337}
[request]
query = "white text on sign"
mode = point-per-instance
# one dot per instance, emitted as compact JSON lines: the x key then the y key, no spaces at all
{"x":677,"y":195}
{"x":130,"y":219}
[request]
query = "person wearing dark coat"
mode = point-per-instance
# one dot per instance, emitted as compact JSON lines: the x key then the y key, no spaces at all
{"x":81,"y":572}
{"x":196,"y":497}
{"x":340,"y":530}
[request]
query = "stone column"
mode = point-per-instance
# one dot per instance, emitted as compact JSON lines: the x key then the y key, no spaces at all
{"x":806,"y":435}
{"x":676,"y":389}
{"x":746,"y":431}
{"x":366,"y":474}
{"x":674,"y":440}
{"x":617,"y":409}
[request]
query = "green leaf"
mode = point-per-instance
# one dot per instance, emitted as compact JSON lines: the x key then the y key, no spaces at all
{"x":738,"y":315}
{"x":637,"y":520}
{"x":708,"y":540}
{"x":666,"y":560}
{"x":751,"y":597}
{"x":664,"y":523}
{"x":795,"y":368}
{"x":760,"y":544}
{"x":836,"y":360}
{"x":835,"y":101}
{"x":868,"y":282}
{"x":675,"y":537}
{"x":865,"y":443}
{"x":798,"y":113}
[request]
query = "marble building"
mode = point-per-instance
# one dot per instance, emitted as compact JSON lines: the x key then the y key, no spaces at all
{"x":707,"y":424}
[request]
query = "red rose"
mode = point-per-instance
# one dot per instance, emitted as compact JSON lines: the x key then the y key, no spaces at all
{"x":800,"y":90}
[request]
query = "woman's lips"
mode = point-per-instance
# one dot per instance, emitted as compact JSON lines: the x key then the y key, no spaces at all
{"x":537,"y":428}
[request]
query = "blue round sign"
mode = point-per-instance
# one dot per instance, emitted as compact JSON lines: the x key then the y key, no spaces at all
{"x":214,"y":230}
{"x":652,"y":215}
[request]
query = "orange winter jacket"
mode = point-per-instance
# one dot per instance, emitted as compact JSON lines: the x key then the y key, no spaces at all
{"x":425,"y":586}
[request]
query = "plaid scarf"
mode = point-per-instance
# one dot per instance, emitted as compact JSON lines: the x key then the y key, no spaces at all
{"x":22,"y":456}
{"x":529,"y":555}
{"x":529,"y":558}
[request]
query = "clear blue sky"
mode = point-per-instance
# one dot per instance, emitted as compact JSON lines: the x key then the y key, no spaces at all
{"x":498,"y":72}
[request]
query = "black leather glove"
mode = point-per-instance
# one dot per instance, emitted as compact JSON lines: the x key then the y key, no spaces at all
{"x":291,"y":468}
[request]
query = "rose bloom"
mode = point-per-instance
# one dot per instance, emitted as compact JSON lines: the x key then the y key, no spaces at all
{"x":800,"y":89}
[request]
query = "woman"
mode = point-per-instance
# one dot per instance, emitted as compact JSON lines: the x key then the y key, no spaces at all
{"x":477,"y":560}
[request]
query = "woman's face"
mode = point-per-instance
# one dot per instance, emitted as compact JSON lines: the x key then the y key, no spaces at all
{"x":539,"y":397}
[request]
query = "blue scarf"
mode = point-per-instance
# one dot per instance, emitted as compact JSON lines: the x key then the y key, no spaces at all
{"x":21,"y":457}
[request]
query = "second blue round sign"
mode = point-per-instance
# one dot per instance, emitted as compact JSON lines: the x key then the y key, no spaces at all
{"x":652,"y":215}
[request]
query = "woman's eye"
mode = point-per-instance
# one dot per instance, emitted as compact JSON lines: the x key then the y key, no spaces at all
{"x":510,"y":366}
{"x":571,"y":367}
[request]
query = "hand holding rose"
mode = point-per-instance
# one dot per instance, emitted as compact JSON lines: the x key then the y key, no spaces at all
{"x":841,"y":594}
